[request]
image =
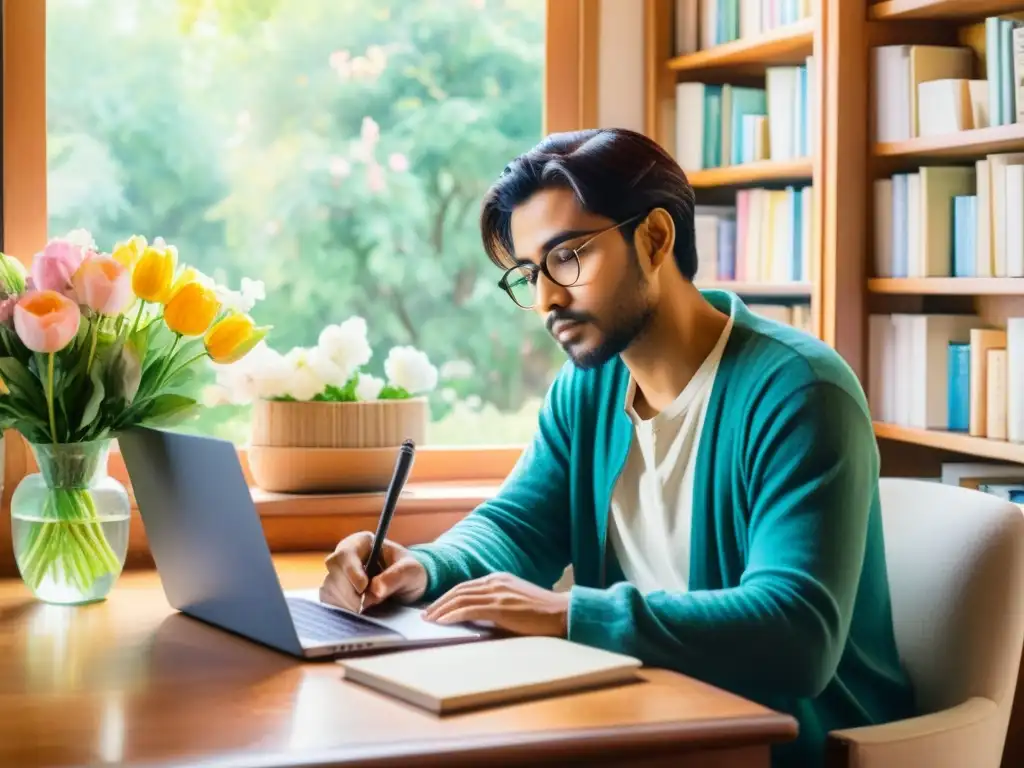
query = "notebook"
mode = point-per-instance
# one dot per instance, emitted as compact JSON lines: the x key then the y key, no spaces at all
{"x":446,"y":679}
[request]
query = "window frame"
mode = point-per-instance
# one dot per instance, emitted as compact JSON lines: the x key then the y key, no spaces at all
{"x":455,"y":479}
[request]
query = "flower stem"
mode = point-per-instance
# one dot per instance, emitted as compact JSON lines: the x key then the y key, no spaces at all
{"x":185,"y":365}
{"x":92,"y":346}
{"x":167,"y":360}
{"x":138,"y":316}
{"x":49,"y":398}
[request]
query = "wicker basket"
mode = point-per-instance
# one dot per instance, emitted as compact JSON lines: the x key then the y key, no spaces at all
{"x":318,"y":447}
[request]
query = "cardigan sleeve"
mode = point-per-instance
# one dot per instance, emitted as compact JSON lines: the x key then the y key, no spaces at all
{"x":524,"y":530}
{"x":812,"y":478}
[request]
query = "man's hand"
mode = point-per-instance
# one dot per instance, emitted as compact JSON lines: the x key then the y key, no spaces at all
{"x":402,"y":579}
{"x":508,"y":602}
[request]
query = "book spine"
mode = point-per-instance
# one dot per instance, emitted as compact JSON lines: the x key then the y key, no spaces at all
{"x":959,"y":364}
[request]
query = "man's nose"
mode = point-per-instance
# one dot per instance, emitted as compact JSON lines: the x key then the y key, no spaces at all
{"x":550,"y":295}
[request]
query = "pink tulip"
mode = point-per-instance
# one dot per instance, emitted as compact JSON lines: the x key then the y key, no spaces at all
{"x":103,"y":284}
{"x":53,"y":267}
{"x":46,"y":321}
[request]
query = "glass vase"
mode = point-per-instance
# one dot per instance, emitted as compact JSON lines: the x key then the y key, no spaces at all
{"x":70,"y":523}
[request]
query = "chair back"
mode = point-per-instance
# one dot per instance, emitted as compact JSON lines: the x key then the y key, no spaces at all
{"x":955,"y":559}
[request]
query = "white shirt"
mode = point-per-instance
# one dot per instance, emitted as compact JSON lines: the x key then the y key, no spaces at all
{"x":651,"y":507}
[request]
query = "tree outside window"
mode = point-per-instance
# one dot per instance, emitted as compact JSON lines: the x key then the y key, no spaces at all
{"x":336,"y":150}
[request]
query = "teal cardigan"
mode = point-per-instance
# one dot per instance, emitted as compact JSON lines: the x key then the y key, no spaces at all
{"x":788,"y":602}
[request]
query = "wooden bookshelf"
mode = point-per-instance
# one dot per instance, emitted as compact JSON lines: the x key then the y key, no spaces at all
{"x":965,"y":145}
{"x":761,"y":290}
{"x":900,"y":10}
{"x":752,"y":173}
{"x":790,"y":44}
{"x":949,"y":286}
{"x":955,"y":442}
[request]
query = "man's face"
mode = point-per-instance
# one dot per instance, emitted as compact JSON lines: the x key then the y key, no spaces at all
{"x":609,"y":304}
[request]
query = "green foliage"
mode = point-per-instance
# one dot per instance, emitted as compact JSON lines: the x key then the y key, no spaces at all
{"x":232,"y":128}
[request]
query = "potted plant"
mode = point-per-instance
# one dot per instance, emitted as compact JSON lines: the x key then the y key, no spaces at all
{"x":93,"y":343}
{"x":321,"y":421}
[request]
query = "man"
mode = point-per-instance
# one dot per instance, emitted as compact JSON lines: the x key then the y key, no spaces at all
{"x":711,"y":476}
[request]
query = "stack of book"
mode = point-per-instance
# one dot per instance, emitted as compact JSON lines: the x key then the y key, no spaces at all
{"x":702,"y":24}
{"x":722,"y":125}
{"x":764,"y":238}
{"x":930,"y":90}
{"x":952,"y":221}
{"x":949,"y":372}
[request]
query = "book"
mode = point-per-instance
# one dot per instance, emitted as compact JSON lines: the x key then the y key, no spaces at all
{"x":451,"y":678}
{"x":911,"y":374}
{"x":959,"y":363}
{"x":719,"y":125}
{"x":981,"y":341}
{"x":764,"y":238}
{"x":703,"y":24}
{"x":900,"y":70}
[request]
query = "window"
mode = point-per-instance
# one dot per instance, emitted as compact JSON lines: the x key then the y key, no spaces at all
{"x":335,"y":150}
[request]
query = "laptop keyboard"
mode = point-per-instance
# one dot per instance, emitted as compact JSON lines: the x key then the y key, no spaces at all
{"x":321,"y":624}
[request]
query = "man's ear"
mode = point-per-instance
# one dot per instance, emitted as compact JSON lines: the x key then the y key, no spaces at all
{"x":657,"y":236}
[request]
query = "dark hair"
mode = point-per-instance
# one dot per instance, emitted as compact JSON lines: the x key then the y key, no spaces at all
{"x":613,"y":172}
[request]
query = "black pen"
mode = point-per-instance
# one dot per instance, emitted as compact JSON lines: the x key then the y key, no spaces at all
{"x":403,"y":464}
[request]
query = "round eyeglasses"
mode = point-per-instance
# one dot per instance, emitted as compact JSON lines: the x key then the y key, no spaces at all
{"x":561,"y":265}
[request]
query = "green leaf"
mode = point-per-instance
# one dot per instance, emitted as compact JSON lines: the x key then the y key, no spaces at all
{"x":168,"y":407}
{"x":391,"y":392}
{"x":22,"y":383}
{"x":92,"y":405}
{"x":126,"y":372}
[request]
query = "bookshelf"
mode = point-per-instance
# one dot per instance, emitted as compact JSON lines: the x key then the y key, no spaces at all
{"x":849,"y":280}
{"x":737,"y":113}
{"x":788,"y":44}
{"x":902,"y":10}
{"x":963,"y":145}
{"x":748,"y":174}
{"x":948,"y":286}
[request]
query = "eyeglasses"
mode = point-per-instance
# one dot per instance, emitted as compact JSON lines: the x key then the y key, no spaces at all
{"x":561,"y":265}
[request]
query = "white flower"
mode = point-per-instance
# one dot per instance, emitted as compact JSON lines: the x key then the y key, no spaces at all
{"x":339,"y":167}
{"x":303,"y":382}
{"x":368,"y":387}
{"x":410,"y":369}
{"x":262,"y":374}
{"x":346,"y":344}
{"x":253,"y":291}
{"x":326,"y":369}
{"x":82,"y":238}
{"x":244,"y":300}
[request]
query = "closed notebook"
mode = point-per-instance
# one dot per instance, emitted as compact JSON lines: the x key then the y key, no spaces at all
{"x":445,"y":679}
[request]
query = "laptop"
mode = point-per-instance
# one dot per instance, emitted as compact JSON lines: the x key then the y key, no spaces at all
{"x":214,"y":563}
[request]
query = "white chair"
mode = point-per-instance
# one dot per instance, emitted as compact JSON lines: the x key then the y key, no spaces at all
{"x":956,"y":573}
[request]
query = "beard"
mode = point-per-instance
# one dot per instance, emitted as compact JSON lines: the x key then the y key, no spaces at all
{"x":631,"y":315}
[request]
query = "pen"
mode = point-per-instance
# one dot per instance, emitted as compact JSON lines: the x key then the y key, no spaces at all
{"x":403,"y":463}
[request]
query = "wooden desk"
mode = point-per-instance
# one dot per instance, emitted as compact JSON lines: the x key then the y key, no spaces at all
{"x":130,"y":681}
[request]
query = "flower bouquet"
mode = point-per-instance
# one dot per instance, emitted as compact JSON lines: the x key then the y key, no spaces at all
{"x":318,"y":408}
{"x":94,"y":343}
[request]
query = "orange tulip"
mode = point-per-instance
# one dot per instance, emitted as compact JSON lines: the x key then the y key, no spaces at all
{"x":46,"y":321}
{"x":191,"y":309}
{"x":232,"y":338}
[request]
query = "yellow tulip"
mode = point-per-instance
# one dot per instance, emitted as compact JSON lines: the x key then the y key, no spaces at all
{"x":191,"y":309}
{"x":186,"y":276}
{"x":232,"y":338}
{"x":153,"y":273}
{"x":128,"y":252}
